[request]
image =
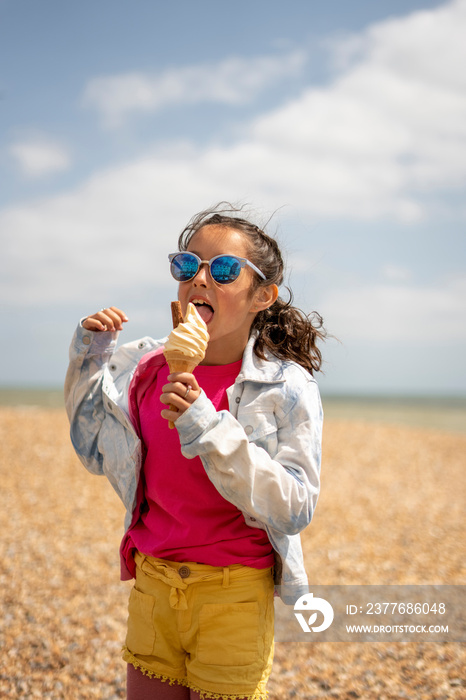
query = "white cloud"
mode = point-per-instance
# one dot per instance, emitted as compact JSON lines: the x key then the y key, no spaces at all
{"x":396,"y":273}
{"x":383,"y":139}
{"x":40,"y":157}
{"x":365,"y":146}
{"x":112,"y":233}
{"x":233,"y":81}
{"x":390,"y":129}
{"x":427,"y":316}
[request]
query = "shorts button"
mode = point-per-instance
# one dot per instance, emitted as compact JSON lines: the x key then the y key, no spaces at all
{"x":184,"y":571}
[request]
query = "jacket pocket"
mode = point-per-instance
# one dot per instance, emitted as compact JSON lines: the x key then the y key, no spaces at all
{"x":260,"y":428}
{"x":140,"y":637}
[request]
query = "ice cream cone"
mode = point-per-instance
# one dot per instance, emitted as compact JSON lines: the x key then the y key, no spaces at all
{"x":179,"y":363}
{"x":186,"y":345}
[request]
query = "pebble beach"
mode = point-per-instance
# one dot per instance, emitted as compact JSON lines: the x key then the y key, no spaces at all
{"x":391,"y":511}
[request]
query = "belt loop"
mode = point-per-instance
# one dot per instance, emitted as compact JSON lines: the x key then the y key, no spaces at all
{"x":226,"y":577}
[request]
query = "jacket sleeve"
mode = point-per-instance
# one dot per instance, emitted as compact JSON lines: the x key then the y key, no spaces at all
{"x":89,"y":355}
{"x":279,"y":490}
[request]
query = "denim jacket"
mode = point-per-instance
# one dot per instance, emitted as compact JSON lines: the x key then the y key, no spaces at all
{"x":263,"y":455}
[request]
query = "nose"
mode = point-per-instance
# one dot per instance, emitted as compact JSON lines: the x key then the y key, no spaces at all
{"x":201,"y":278}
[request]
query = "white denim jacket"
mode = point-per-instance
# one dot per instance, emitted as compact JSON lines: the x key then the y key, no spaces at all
{"x":263,"y":455}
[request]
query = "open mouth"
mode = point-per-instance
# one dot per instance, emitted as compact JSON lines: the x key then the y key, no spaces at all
{"x":204,"y":310}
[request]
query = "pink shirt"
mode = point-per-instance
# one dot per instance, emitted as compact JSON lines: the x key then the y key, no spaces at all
{"x":186,"y":519}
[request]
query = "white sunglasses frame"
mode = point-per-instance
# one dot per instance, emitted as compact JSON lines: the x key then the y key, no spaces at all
{"x":243,"y":262}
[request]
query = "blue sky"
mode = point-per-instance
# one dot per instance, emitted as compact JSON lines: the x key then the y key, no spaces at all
{"x":345,"y":121}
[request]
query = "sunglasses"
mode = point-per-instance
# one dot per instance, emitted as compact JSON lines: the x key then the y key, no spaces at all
{"x":224,"y":269}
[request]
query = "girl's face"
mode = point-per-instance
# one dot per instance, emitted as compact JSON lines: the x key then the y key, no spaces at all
{"x":228,"y":309}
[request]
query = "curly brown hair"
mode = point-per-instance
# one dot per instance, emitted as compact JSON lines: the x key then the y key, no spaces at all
{"x":283,"y":329}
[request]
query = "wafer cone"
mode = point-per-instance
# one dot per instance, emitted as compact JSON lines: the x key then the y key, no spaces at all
{"x":177,"y":362}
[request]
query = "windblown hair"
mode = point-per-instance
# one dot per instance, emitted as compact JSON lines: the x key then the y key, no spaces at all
{"x":283,"y":329}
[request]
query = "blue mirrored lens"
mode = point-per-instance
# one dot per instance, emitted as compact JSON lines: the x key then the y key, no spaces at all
{"x":184,"y":267}
{"x":225,"y":269}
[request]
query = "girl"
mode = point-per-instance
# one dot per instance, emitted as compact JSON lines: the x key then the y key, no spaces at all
{"x":215,"y":507}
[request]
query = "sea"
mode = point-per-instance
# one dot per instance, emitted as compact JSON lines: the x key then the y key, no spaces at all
{"x":436,"y":412}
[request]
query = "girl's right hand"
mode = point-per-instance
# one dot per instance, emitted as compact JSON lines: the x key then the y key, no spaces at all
{"x":110,"y":319}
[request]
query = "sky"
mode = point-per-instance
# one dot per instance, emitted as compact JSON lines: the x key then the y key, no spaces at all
{"x":340,"y":126}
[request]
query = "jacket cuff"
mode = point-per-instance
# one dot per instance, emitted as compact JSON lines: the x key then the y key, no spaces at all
{"x":200,"y":416}
{"x":92,"y":343}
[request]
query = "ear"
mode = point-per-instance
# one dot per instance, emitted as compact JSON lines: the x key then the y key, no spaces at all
{"x":264,"y":297}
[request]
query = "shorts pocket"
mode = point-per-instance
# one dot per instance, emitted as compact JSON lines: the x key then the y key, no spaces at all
{"x":140,"y":637}
{"x":229,"y":634}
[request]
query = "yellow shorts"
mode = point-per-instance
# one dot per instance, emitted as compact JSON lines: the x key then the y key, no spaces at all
{"x":208,"y":628}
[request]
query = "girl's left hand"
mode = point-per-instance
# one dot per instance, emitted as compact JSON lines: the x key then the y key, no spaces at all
{"x":181,"y":391}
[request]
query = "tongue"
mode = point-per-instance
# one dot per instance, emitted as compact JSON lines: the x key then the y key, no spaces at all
{"x":205,"y":312}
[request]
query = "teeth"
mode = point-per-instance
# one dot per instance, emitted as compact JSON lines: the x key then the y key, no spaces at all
{"x":199,"y":302}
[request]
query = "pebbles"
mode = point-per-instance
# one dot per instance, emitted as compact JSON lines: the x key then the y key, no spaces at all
{"x":391,"y":511}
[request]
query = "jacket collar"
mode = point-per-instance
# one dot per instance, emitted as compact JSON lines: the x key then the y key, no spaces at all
{"x":269,"y":371}
{"x":253,"y":369}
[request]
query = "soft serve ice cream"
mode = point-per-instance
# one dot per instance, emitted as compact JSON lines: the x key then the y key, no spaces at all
{"x":189,"y":339}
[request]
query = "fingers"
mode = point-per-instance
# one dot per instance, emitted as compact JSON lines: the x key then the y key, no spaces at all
{"x":181,"y":391}
{"x":171,"y":416}
{"x":109,"y":319}
{"x":183,"y":379}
